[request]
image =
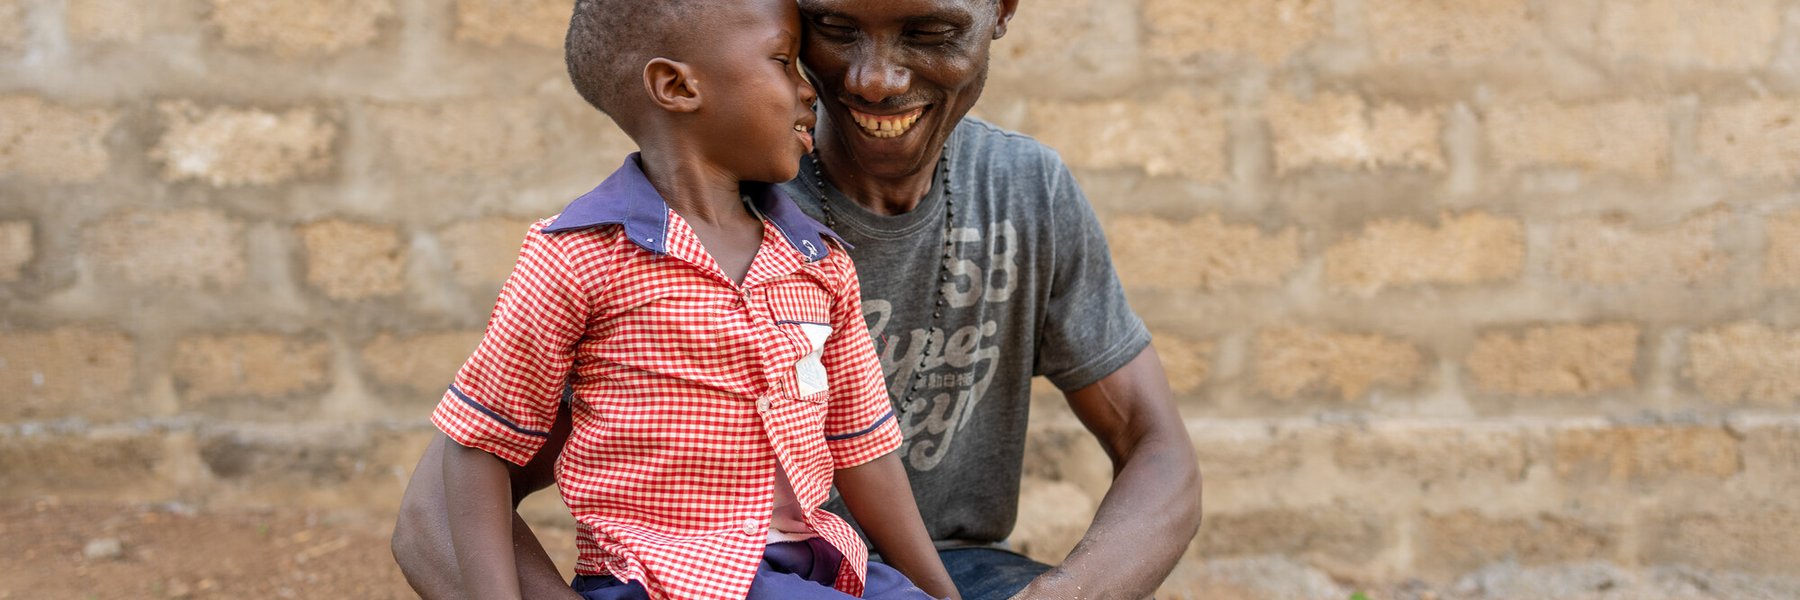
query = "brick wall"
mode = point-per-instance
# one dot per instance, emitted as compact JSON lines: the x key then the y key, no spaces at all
{"x":1439,"y":285}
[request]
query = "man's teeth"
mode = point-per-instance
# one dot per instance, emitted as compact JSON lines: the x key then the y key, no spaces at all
{"x":886,"y":126}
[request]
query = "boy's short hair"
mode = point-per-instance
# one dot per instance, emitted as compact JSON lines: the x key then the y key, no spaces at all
{"x":609,"y":42}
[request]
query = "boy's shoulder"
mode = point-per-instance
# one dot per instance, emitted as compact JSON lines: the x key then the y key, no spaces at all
{"x":585,"y":256}
{"x":565,"y":238}
{"x":623,"y":204}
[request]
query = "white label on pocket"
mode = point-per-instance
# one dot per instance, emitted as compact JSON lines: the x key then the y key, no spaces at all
{"x":810,"y":372}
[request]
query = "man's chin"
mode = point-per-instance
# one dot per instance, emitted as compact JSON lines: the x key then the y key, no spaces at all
{"x":892,"y":157}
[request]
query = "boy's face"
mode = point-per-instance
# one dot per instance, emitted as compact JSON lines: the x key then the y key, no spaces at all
{"x":896,"y":76}
{"x":759,"y":116}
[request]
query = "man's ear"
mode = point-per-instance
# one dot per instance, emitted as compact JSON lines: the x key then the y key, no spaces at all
{"x":672,"y":85}
{"x":1006,"y":9}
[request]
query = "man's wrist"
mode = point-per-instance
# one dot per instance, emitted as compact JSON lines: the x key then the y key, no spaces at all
{"x":1054,"y":583}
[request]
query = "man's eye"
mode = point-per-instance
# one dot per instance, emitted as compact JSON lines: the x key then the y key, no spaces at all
{"x":931,"y":35}
{"x":833,"y":29}
{"x":784,"y":60}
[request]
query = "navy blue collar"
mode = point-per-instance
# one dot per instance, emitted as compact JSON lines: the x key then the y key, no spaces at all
{"x":627,"y":198}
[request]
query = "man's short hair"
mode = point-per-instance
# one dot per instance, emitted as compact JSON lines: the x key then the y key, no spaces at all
{"x":609,"y":42}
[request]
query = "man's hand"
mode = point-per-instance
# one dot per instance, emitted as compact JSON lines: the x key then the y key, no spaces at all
{"x":1152,"y":511}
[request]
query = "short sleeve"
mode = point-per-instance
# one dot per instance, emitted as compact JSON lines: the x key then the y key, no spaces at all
{"x":1089,"y":329}
{"x":859,"y":423}
{"x":504,"y":399}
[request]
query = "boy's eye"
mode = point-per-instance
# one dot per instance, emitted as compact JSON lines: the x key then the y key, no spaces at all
{"x":784,"y":60}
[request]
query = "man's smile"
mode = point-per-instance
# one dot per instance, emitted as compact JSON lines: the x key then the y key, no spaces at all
{"x":886,"y":126}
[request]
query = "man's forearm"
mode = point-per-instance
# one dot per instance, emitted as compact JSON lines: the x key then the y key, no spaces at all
{"x":1153,"y":508}
{"x":1140,"y":531}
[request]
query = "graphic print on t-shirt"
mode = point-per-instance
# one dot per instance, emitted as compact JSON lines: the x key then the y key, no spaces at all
{"x":961,"y":362}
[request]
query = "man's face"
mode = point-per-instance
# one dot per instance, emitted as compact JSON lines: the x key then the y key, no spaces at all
{"x":895,"y":76}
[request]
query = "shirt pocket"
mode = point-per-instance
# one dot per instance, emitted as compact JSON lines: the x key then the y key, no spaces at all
{"x":810,"y":378}
{"x":802,"y":311}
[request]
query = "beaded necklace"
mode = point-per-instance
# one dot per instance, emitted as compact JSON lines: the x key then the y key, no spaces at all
{"x":908,"y":400}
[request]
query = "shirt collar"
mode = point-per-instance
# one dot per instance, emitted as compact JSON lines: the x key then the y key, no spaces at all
{"x":626,"y":198}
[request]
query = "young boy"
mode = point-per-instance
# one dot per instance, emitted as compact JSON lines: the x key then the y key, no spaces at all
{"x":718,"y":368}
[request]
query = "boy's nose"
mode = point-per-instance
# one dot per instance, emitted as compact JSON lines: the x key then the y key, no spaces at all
{"x":807,"y":93}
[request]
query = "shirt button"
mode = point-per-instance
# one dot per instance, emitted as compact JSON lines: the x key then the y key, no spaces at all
{"x":762,"y":405}
{"x":749,"y":526}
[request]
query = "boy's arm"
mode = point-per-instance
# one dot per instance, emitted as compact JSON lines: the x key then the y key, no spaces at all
{"x":877,"y":494}
{"x":421,"y":542}
{"x":501,"y":410}
{"x":864,"y":440}
{"x":477,"y":496}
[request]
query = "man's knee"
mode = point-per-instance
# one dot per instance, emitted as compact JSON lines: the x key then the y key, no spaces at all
{"x":406,"y":544}
{"x":402,"y":543}
{"x":990,"y":574}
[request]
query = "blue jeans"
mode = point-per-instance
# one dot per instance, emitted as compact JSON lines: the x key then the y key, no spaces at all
{"x":989,"y":574}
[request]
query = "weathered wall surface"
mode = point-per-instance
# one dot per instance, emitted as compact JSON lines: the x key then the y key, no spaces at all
{"x":1441,"y":285}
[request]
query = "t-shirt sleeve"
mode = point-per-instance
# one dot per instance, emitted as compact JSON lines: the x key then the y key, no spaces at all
{"x":859,"y":423}
{"x":504,"y":399}
{"x":1089,"y":329}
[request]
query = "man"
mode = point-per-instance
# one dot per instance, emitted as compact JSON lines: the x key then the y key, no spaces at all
{"x":982,"y":266}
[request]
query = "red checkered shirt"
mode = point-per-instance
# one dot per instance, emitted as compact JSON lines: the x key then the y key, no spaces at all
{"x":687,"y":388}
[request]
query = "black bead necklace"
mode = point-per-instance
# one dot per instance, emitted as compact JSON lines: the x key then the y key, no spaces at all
{"x":909,"y":400}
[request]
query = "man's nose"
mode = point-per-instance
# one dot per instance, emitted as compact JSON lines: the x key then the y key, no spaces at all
{"x":875,"y":76}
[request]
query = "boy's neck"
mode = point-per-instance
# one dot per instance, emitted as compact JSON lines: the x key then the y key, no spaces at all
{"x":702,"y":193}
{"x":708,"y":198}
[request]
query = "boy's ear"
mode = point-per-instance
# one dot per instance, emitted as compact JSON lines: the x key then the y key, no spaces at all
{"x":672,"y":85}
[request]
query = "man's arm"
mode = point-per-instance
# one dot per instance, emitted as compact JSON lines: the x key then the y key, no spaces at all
{"x":878,"y":495}
{"x":1153,"y":509}
{"x":421,"y":542}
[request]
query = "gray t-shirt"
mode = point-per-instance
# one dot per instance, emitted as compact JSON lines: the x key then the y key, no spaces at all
{"x":1031,"y":291}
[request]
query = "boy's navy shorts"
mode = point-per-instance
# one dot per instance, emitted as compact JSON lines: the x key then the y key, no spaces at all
{"x":790,"y":570}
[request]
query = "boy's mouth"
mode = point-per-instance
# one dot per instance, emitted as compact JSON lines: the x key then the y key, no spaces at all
{"x":805,"y":135}
{"x":886,"y":126}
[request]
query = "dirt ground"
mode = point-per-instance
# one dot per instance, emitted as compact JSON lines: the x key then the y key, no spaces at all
{"x":56,"y":550}
{"x":81,"y":550}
